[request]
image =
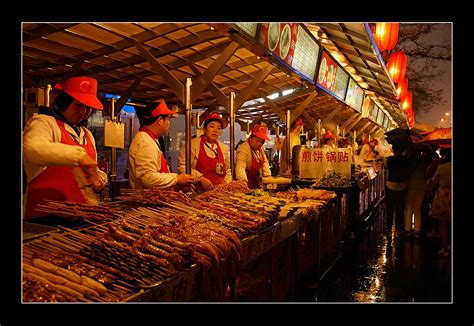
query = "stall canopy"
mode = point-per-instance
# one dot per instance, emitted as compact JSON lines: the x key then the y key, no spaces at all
{"x":143,"y":62}
{"x":353,"y":47}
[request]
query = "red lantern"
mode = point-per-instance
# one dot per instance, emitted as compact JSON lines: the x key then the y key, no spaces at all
{"x":386,"y":35}
{"x":407,"y":102}
{"x":402,"y":88}
{"x":397,"y":65}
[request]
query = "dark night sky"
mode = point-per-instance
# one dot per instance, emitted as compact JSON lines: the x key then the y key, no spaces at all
{"x":445,"y":82}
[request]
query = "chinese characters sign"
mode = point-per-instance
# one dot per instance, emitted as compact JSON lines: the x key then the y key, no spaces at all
{"x":315,"y":161}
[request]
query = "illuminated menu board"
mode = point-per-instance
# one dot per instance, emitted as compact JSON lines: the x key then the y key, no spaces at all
{"x":367,"y":107}
{"x":355,"y":95}
{"x":293,"y":44}
{"x":340,"y":87}
{"x":249,"y":28}
{"x":380,"y":117}
{"x":327,"y":73}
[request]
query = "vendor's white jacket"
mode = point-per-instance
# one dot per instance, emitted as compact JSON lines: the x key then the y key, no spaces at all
{"x":144,"y":159}
{"x":42,"y":146}
{"x":243,"y":159}
{"x":195,"y":149}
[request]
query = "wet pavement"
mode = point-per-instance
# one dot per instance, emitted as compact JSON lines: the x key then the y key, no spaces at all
{"x":379,"y":267}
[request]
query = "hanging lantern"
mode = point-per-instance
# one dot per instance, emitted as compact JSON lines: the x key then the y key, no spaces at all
{"x":407,"y":101}
{"x":402,"y":88}
{"x":386,"y":35}
{"x":397,"y":65}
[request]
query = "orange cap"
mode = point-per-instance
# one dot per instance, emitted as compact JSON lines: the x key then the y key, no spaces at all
{"x":260,"y":131}
{"x":216,"y":117}
{"x":155,"y":109}
{"x":82,"y":89}
{"x":328,"y":135}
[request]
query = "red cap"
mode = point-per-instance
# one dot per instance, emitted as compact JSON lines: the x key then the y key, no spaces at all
{"x":299,"y":122}
{"x":82,"y":89}
{"x":375,"y":141}
{"x":260,"y":131}
{"x":216,"y":117}
{"x":155,"y":109}
{"x":328,"y":135}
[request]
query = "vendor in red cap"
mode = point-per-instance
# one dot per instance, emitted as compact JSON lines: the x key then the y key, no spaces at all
{"x":251,"y":163}
{"x":368,"y":151}
{"x":210,"y":162}
{"x":147,"y":164}
{"x":329,"y":141}
{"x":294,"y":140}
{"x":59,"y":152}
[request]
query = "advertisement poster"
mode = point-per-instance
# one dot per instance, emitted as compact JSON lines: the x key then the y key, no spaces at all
{"x":292,"y":44}
{"x":327,"y":73}
{"x":249,"y":28}
{"x":355,"y":95}
{"x":340,"y":86}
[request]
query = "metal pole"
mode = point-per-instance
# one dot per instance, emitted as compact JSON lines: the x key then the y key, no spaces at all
{"x":46,"y":95}
{"x":287,"y":142}
{"x":319,"y":133}
{"x":187,"y":97}
{"x":113,"y":159}
{"x":231,"y":131}
{"x":337,"y":136}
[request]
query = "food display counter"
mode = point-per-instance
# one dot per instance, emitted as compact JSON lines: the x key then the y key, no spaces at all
{"x":110,"y":236}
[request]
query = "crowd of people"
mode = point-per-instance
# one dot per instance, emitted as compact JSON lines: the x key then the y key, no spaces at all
{"x":418,"y":192}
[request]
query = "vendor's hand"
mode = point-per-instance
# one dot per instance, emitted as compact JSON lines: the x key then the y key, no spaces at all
{"x":184,"y":179}
{"x":98,"y":186}
{"x":206,"y":183}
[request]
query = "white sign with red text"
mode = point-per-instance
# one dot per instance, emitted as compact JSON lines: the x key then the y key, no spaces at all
{"x":314,"y":162}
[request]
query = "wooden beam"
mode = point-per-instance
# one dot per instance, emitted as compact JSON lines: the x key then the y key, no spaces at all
{"x":219,"y":95}
{"x":172,"y":81}
{"x":124,"y":97}
{"x":205,"y":78}
{"x":247,"y":91}
{"x":351,"y":125}
{"x":345,"y":124}
{"x":332,"y":114}
{"x":296,"y":112}
{"x":364,"y":127}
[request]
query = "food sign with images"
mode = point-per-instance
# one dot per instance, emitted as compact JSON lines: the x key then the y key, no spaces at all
{"x":327,"y":73}
{"x":380,"y":117}
{"x":314,"y":162}
{"x":292,"y":44}
{"x":249,"y":28}
{"x":367,"y":107}
{"x":340,"y":86}
{"x":373,"y":108}
{"x":355,"y":95}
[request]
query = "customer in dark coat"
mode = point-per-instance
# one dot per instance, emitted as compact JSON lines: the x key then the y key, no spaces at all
{"x":398,"y":169}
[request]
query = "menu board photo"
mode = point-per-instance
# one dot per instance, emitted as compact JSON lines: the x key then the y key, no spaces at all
{"x":367,"y":106}
{"x":249,"y":28}
{"x":327,"y":72}
{"x":380,"y":117}
{"x":373,"y":111}
{"x":292,"y":44}
{"x":355,"y":95}
{"x":340,"y":86}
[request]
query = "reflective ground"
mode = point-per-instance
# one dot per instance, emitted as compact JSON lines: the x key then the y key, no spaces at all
{"x":379,"y":268}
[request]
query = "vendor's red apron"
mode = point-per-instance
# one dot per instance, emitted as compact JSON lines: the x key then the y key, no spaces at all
{"x":56,"y":182}
{"x":207,"y":165}
{"x":254,"y":176}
